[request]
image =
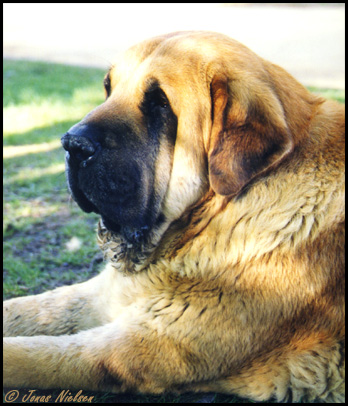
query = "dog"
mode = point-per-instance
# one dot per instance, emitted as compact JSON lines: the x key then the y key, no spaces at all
{"x":219,"y":180}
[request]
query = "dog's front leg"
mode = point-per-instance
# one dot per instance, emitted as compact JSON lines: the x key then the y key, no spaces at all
{"x":48,"y":362}
{"x":64,"y":310}
{"x":111,"y":357}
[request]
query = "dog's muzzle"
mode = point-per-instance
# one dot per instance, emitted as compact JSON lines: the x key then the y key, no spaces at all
{"x":108,"y":180}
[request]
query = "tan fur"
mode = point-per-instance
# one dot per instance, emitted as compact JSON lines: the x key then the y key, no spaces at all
{"x":241,"y":289}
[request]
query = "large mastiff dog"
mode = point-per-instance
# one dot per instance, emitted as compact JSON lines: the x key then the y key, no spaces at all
{"x":220,"y":184}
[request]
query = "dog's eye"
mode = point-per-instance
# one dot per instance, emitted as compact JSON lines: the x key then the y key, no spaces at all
{"x":107,"y":86}
{"x":157,"y":98}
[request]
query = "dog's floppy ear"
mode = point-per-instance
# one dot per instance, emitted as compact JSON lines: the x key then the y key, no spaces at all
{"x":249,"y":134}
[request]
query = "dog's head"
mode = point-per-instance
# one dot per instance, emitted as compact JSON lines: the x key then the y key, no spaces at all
{"x":184,"y":114}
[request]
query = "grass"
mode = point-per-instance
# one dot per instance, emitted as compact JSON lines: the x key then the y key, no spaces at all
{"x":48,"y":240}
{"x":41,"y":101}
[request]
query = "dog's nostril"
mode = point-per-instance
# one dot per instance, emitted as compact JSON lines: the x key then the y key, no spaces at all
{"x":78,"y":144}
{"x":80,"y":148}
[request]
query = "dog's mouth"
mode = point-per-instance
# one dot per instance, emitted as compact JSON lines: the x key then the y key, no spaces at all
{"x":131,"y":234}
{"x":110,"y":214}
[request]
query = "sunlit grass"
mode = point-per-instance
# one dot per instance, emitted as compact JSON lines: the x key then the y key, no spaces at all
{"x":41,"y":102}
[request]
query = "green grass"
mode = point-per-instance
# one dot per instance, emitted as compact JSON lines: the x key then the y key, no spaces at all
{"x":41,"y":223}
{"x":41,"y":101}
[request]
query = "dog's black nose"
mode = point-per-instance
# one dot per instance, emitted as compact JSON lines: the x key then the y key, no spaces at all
{"x":80,"y":145}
